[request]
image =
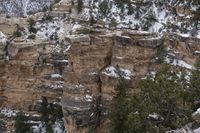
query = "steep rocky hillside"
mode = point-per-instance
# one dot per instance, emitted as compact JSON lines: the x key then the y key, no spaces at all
{"x":69,"y":53}
{"x":151,"y":15}
{"x":23,"y":7}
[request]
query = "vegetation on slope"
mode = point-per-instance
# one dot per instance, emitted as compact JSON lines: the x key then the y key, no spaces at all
{"x":163,"y":102}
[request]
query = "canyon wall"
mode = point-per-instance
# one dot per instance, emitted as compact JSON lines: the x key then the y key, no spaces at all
{"x":83,"y":71}
{"x":30,"y":70}
{"x":97,"y":60}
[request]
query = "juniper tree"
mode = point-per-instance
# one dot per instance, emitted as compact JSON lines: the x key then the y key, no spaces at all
{"x":2,"y":125}
{"x":31,"y":25}
{"x":159,"y":105}
{"x":119,"y":109}
{"x":21,"y":125}
{"x":50,"y":113}
{"x":104,"y":7}
{"x":194,"y":90}
{"x":79,"y":5}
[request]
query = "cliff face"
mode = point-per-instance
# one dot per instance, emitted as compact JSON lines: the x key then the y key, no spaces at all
{"x":83,"y":70}
{"x":94,"y":63}
{"x":30,"y":70}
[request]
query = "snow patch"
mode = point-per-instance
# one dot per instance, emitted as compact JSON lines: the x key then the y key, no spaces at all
{"x":8,"y":112}
{"x":197,"y":112}
{"x":197,"y":130}
{"x":49,"y":28}
{"x":88,"y":98}
{"x":180,"y":63}
{"x":113,"y":72}
{"x":2,"y":37}
{"x":56,"y":76}
{"x":154,"y":116}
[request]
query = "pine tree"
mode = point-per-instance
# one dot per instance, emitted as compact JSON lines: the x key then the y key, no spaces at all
{"x":79,"y":5}
{"x":50,"y":113}
{"x":104,"y":7}
{"x":31,"y":27}
{"x":21,"y":125}
{"x":119,"y":109}
{"x":161,"y":52}
{"x":44,"y":109}
{"x":2,"y":125}
{"x":194,"y":90}
{"x":160,"y":104}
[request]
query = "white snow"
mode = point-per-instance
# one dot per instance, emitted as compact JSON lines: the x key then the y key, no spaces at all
{"x":48,"y":28}
{"x":2,"y":37}
{"x":197,"y":112}
{"x":67,"y":49}
{"x":56,"y":76}
{"x":75,"y":27}
{"x":113,"y":72}
{"x":39,"y":127}
{"x":164,"y":17}
{"x":186,"y":75}
{"x":92,"y":73}
{"x":33,"y":122}
{"x":22,"y":7}
{"x":88,"y":98}
{"x":8,"y":112}
{"x":197,"y":130}
{"x":120,"y":58}
{"x":56,"y":86}
{"x":64,"y":61}
{"x":197,"y":52}
{"x":180,"y":63}
{"x":151,"y":75}
{"x":36,"y":115}
{"x":184,"y":35}
{"x":154,"y":116}
{"x":58,"y":127}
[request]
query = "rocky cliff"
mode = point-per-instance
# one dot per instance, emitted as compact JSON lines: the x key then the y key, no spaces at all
{"x":23,"y":65}
{"x":77,"y":65}
{"x":94,"y":63}
{"x":83,"y":70}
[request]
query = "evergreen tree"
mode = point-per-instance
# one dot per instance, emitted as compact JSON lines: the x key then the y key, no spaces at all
{"x":50,"y":113}
{"x":31,"y":27}
{"x":160,"y":105}
{"x":161,"y":52}
{"x":119,"y":109}
{"x":104,"y":7}
{"x":49,"y":128}
{"x":113,"y":23}
{"x":18,"y":32}
{"x":79,"y":5}
{"x":130,"y":9}
{"x":194,"y":90}
{"x":21,"y":125}
{"x":2,"y":125}
{"x":122,"y":3}
{"x":44,"y":109}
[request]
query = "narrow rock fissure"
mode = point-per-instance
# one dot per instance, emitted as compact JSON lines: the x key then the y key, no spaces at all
{"x":99,"y":100}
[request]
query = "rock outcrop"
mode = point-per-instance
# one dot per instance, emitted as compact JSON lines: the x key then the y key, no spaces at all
{"x":83,"y":70}
{"x":95,"y":62}
{"x":30,"y":70}
{"x":92,"y":74}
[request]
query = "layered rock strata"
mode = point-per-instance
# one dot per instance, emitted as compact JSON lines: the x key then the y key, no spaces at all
{"x":84,"y":70}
